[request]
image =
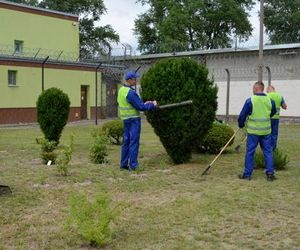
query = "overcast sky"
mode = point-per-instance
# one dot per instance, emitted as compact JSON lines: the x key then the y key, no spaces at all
{"x":121,"y":15}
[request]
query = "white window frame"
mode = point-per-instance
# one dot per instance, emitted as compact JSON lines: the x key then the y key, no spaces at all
{"x":12,"y":77}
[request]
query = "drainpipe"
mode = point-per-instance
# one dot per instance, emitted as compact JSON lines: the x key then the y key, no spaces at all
{"x":96,"y":90}
{"x":43,"y":72}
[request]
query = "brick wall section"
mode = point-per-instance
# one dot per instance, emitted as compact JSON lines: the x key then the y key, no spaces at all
{"x":29,"y":115}
{"x":101,"y":113}
{"x":17,"y":115}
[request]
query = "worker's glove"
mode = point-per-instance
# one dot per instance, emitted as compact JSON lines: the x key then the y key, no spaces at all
{"x":153,"y":102}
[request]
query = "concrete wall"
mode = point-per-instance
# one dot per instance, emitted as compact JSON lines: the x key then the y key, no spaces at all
{"x":241,"y":90}
{"x":283,"y":61}
{"x":285,"y":74}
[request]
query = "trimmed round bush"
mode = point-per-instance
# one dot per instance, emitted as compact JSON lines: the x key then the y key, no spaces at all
{"x":216,"y":138}
{"x":53,"y":107}
{"x":114,"y":131}
{"x":175,"y":80}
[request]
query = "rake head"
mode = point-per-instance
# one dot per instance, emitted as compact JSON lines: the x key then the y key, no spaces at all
{"x":5,"y":190}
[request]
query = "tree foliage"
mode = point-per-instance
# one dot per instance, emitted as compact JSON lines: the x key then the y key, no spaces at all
{"x":95,"y":8}
{"x":186,"y":25}
{"x":176,"y":80}
{"x":94,"y":40}
{"x":28,"y":2}
{"x":282,"y":21}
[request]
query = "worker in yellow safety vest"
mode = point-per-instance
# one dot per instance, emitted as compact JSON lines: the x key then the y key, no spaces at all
{"x":279,"y":103}
{"x":129,"y":107}
{"x":256,"y":115}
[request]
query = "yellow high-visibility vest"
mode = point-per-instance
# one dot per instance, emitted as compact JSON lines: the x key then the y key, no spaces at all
{"x":259,"y":122}
{"x":125,"y":109}
{"x":276,"y":97}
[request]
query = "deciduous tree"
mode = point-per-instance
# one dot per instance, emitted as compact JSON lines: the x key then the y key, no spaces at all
{"x":282,"y":21}
{"x":189,"y":24}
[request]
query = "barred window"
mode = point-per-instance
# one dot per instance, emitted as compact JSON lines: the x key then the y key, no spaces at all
{"x":18,"y":46}
{"x":12,"y":78}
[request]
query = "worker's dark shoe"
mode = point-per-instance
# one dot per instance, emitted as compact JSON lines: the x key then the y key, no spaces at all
{"x":243,"y":177}
{"x":271,"y":177}
{"x":124,"y":168}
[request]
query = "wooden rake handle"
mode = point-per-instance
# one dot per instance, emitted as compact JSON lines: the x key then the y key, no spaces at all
{"x":210,"y":165}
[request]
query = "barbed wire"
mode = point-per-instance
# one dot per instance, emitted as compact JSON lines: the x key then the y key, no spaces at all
{"x":286,"y":67}
{"x":38,"y":53}
{"x":127,"y":55}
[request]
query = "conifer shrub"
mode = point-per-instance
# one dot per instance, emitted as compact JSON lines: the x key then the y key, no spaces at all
{"x":216,"y":138}
{"x":114,"y":131}
{"x":98,"y":150}
{"x":176,"y":80}
{"x":64,"y":157}
{"x":280,"y":160}
{"x":48,"y":150}
{"x":53,"y":107}
{"x":92,"y":219}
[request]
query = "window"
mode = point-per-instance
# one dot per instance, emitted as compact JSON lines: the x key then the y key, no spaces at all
{"x":12,"y":78}
{"x":18,"y":46}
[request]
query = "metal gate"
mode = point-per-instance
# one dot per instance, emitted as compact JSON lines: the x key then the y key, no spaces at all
{"x":111,"y":84}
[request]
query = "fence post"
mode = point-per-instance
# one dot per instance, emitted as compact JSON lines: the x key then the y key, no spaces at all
{"x":96,"y":90}
{"x":227,"y":95}
{"x":43,"y":73}
{"x":269,"y":75}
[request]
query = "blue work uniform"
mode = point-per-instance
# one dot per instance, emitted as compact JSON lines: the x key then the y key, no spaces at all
{"x":132,"y":128}
{"x":253,"y":139}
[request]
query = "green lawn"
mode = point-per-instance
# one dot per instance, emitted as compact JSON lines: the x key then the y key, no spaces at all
{"x":164,"y":206}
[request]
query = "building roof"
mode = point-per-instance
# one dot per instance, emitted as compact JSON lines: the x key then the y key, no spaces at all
{"x":30,"y":62}
{"x":37,"y":10}
{"x":220,"y":51}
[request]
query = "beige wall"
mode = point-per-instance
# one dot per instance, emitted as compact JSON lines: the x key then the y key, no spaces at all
{"x":37,"y":31}
{"x":29,"y":86}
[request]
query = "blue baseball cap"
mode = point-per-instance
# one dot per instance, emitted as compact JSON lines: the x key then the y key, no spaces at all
{"x":131,"y":75}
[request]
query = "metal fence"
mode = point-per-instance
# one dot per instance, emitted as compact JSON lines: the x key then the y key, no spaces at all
{"x":38,"y":53}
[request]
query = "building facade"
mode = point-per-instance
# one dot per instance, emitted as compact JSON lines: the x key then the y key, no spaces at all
{"x":39,"y":49}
